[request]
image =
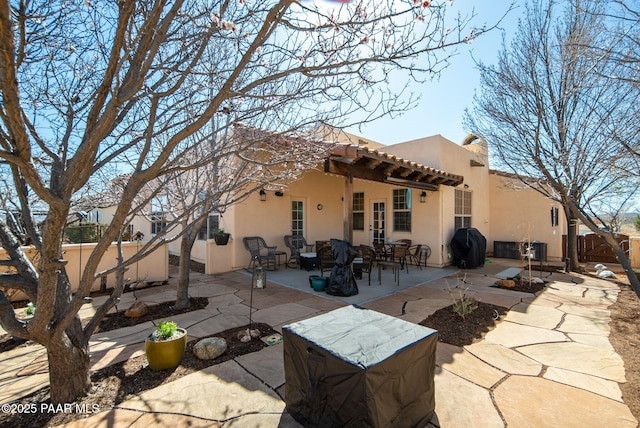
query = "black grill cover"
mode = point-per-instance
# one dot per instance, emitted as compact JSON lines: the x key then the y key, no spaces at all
{"x":342,"y":282}
{"x":355,"y":367}
{"x":469,"y":248}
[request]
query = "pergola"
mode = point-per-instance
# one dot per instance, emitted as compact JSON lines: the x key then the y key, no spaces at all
{"x":355,"y":161}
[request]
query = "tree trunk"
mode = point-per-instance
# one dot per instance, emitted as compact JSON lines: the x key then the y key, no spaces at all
{"x":572,"y":242}
{"x":68,"y":370}
{"x":184,"y":268}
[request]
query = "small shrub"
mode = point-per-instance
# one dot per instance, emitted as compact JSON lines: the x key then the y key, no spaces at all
{"x":164,"y":330}
{"x":31,"y":308}
{"x":462,"y":305}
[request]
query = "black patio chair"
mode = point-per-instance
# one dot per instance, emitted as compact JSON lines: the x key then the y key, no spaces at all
{"x":382,"y":252}
{"x":363,"y":263}
{"x":261,"y":253}
{"x":325,"y":259}
{"x":296,"y":244}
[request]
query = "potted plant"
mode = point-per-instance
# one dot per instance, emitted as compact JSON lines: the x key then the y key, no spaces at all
{"x":30,"y":309}
{"x":165,"y":345}
{"x":221,"y":237}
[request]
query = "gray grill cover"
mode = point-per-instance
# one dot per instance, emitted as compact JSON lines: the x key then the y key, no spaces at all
{"x":357,"y":367}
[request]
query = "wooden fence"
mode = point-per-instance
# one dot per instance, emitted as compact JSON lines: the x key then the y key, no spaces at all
{"x":592,"y":249}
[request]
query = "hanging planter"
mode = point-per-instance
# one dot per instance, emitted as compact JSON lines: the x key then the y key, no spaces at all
{"x":221,"y":237}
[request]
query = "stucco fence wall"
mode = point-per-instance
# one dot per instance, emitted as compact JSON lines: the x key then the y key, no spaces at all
{"x":154,"y":267}
{"x":634,"y":252}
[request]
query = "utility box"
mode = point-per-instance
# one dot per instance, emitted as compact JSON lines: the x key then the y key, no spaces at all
{"x":358,"y":367}
{"x":511,"y":250}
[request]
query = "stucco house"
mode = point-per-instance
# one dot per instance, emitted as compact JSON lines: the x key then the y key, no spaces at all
{"x":421,"y":190}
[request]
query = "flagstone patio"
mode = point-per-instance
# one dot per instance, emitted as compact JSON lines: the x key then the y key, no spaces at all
{"x":548,"y":363}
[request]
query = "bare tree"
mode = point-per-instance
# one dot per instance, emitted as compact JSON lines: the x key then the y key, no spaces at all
{"x":548,"y":111}
{"x":235,"y":166}
{"x":91,"y":88}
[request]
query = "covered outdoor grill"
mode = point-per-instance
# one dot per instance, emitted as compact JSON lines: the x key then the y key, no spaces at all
{"x":469,"y":248}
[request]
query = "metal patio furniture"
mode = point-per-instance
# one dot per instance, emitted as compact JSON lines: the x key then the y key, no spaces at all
{"x":296,"y":244}
{"x":265,"y":255}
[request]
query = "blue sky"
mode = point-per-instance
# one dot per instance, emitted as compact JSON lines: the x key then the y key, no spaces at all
{"x":443,"y":101}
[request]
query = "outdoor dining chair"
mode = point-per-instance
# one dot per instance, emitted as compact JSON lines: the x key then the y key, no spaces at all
{"x":363,"y":263}
{"x":400,"y":253}
{"x":382,"y":252}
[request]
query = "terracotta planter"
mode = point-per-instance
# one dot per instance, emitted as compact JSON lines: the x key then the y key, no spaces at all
{"x":221,"y":238}
{"x":166,"y":354}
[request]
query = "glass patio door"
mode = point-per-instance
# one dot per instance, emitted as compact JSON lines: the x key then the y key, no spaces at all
{"x":378,"y":221}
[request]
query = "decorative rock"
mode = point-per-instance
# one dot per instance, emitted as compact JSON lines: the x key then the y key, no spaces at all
{"x":210,"y":348}
{"x":136,"y":310}
{"x":506,"y":283}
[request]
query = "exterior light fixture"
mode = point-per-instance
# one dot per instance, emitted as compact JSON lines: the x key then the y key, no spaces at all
{"x":423,"y":197}
{"x":279,"y":193}
{"x":263,"y":195}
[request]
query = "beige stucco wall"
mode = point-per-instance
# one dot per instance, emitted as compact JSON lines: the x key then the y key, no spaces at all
{"x":154,"y":267}
{"x":520,"y":214}
{"x":634,"y":252}
{"x":443,"y":154}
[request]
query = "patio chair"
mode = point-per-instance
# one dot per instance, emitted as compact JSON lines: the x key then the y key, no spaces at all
{"x":420,"y":253}
{"x":415,"y":255}
{"x":400,"y":253}
{"x":261,"y":253}
{"x":382,"y":253}
{"x":325,"y":259}
{"x":363,"y":263}
{"x":297,"y":244}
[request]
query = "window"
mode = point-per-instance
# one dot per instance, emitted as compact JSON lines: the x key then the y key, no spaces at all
{"x":554,"y":217}
{"x":402,"y":210}
{"x":158,"y":215}
{"x":158,"y":222}
{"x":462,"y":211}
{"x":358,"y":211}
{"x":297,"y":218}
{"x":211,"y":226}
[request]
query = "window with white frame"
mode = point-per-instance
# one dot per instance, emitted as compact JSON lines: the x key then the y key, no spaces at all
{"x":210,"y":228}
{"x":158,"y":215}
{"x":358,"y":211}
{"x":297,"y":218}
{"x":462,"y":211}
{"x":158,"y":222}
{"x":402,"y":210}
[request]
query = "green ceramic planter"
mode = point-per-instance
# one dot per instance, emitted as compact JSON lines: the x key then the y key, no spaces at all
{"x":166,"y":354}
{"x":319,"y":283}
